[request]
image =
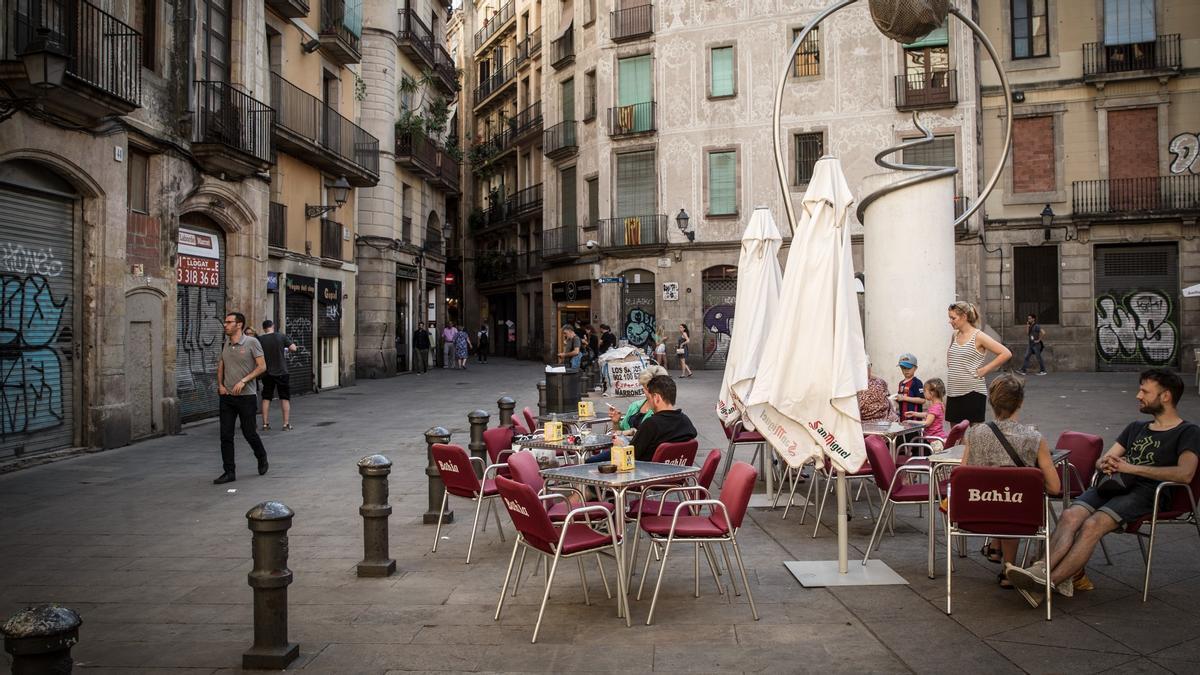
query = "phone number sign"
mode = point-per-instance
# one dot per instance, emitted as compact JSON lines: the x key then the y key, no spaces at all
{"x":196,"y":271}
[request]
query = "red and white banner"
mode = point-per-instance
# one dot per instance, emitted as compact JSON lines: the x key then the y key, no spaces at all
{"x":199,"y":259}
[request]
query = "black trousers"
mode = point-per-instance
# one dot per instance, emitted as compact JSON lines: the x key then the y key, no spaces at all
{"x":235,"y":408}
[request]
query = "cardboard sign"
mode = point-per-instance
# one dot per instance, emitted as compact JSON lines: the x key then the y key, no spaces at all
{"x":625,"y":377}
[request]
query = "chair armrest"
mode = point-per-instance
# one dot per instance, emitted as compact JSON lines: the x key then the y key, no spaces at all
{"x":504,"y":453}
{"x":914,"y":444}
{"x":573,"y":514}
{"x":550,"y":496}
{"x":492,"y":468}
{"x":482,"y":464}
{"x":686,"y":489}
{"x":694,"y":504}
{"x":564,"y":491}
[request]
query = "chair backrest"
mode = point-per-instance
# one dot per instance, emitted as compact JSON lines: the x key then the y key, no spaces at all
{"x":731,"y":429}
{"x":956,"y":433}
{"x":1180,"y":504}
{"x":524,"y":467}
{"x":497,"y":440}
{"x":681,"y":454}
{"x":519,"y":426}
{"x":454,"y":465}
{"x":1085,"y":449}
{"x":735,"y":494}
{"x":998,"y":499}
{"x":530,"y":420}
{"x":528,"y":514}
{"x":708,"y":471}
{"x":883,"y":467}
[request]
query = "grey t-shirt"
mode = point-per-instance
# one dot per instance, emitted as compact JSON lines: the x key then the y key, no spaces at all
{"x":238,"y":360}
{"x":274,"y":346}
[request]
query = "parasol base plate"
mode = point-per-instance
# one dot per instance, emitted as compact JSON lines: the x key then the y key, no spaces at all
{"x":823,"y":573}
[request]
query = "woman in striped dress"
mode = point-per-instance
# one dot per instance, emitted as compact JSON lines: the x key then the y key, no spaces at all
{"x":966,"y":389}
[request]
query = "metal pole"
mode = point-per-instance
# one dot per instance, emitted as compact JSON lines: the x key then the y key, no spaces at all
{"x":479,"y":422}
{"x":375,"y":511}
{"x":843,"y":525}
{"x":541,"y":387}
{"x":269,"y":522}
{"x":40,"y":639}
{"x":436,"y":487}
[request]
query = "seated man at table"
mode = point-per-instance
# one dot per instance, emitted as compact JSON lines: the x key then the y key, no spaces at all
{"x":1148,"y":452}
{"x":668,"y":424}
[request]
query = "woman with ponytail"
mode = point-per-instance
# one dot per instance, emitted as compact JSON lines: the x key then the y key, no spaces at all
{"x":966,"y":388}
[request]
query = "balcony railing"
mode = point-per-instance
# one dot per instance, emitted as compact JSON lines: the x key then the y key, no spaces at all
{"x":1130,"y":196}
{"x":528,"y":120}
{"x":308,"y":118}
{"x":229,"y":117}
{"x":444,"y":68}
{"x":448,"y":170}
{"x":562,"y":50}
{"x":632,"y":23}
{"x":1161,"y":54}
{"x":433,"y":241}
{"x":331,"y":240}
{"x":561,"y":140}
{"x":416,"y":151}
{"x":529,"y":263}
{"x":101,"y":50}
{"x":560,"y":241}
{"x":414,"y":37}
{"x":496,"y":81}
{"x":535,"y":41}
{"x":338,"y":35}
{"x":648,"y":230}
{"x":638,"y":118}
{"x":493,"y":266}
{"x":525,"y":201}
{"x":277,"y":225}
{"x":493,"y":24}
{"x":937,"y":89}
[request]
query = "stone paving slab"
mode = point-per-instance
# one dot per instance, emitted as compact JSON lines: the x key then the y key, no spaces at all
{"x":154,"y":558}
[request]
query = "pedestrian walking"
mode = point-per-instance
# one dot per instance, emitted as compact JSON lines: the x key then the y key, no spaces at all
{"x":482,"y":344}
{"x":1034,"y":345}
{"x":257,"y":383}
{"x":421,"y":346}
{"x":275,"y":346}
{"x":681,"y":350}
{"x":966,"y":388}
{"x":240,"y":362}
{"x":659,"y":347}
{"x":462,"y":348}
{"x":448,"y":334}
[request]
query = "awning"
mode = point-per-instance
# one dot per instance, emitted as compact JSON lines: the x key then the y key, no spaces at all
{"x":938,"y":37}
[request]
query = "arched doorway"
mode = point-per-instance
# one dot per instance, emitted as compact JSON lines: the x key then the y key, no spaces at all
{"x":717,"y":295}
{"x":200,"y":310}
{"x":39,"y":318}
{"x":638,"y":322}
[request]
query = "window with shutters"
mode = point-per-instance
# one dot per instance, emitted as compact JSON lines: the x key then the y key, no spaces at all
{"x":1030,"y":31}
{"x":722,"y":81}
{"x":808,"y":148}
{"x":636,"y":181}
{"x":635,"y":95}
{"x":569,"y":207}
{"x":593,"y":195}
{"x":589,"y":93}
{"x":1035,"y":283}
{"x":808,"y":59}
{"x":722,"y":183}
{"x":139,"y":181}
{"x":567,"y":98}
{"x":1129,"y":22}
{"x":938,"y":153}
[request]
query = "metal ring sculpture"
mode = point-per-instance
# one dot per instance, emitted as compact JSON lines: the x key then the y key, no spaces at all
{"x":928,"y":173}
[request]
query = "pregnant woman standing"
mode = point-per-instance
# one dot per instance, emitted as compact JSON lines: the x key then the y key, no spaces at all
{"x":966,"y":388}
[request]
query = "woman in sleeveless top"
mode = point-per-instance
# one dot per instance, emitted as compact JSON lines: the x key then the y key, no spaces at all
{"x":966,"y":388}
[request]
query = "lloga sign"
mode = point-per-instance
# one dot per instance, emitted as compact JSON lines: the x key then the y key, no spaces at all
{"x":199,"y":259}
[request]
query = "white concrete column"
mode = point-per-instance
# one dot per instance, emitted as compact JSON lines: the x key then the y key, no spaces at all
{"x":908,"y":262}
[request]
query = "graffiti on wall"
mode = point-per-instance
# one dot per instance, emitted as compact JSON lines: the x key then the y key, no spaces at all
{"x":31,"y":396}
{"x":199,"y":344}
{"x":718,"y":323}
{"x":1136,"y":327}
{"x":1186,"y":150}
{"x":639,"y":327}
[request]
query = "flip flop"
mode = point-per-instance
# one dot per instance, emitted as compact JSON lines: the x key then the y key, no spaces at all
{"x":992,"y":555}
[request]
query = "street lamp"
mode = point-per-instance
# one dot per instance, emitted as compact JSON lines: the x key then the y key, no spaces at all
{"x":682,"y":221}
{"x":45,"y":62}
{"x":341,"y":192}
{"x":1047,"y":221}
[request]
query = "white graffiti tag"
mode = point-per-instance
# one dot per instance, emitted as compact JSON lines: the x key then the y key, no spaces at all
{"x":21,"y":259}
{"x":1186,"y":148}
{"x":1139,"y":326}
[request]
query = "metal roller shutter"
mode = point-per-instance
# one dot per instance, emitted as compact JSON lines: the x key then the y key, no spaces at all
{"x":299,"y":327}
{"x":37,"y":323}
{"x":199,"y":334}
{"x":637,"y":307}
{"x":1137,"y":306}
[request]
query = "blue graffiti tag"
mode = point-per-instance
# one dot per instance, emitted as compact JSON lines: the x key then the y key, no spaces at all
{"x":30,"y":366}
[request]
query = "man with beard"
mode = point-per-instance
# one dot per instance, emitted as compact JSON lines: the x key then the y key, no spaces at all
{"x":1148,"y":453}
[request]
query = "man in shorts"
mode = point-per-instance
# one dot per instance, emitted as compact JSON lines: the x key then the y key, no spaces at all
{"x":275,"y":345}
{"x":1149,"y":452}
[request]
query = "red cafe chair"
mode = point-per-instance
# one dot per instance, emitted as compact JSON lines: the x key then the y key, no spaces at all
{"x":519,"y":426}
{"x":689,"y":524}
{"x":739,"y":435}
{"x":997,"y":502}
{"x":524,"y":468}
{"x":827,"y":473}
{"x":498,"y":442}
{"x":1085,"y":451}
{"x":457,"y":471}
{"x":1180,"y":510}
{"x":570,"y":539}
{"x":896,"y":491}
{"x":530,"y":420}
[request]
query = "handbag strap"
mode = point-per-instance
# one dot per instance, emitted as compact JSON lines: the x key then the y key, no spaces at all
{"x":1012,"y":454}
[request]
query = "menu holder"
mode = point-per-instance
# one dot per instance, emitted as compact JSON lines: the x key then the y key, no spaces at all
{"x":622,"y":458}
{"x":587,"y":409}
{"x":553,"y":432}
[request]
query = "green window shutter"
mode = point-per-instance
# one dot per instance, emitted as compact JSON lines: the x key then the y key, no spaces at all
{"x":938,"y":37}
{"x":636,"y":182}
{"x":568,"y":99}
{"x":593,"y":194}
{"x":570,"y":218}
{"x":634,"y":83}
{"x":722,"y":72}
{"x":722,"y":183}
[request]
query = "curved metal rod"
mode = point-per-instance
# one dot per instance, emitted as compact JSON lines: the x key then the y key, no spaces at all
{"x":928,"y":172}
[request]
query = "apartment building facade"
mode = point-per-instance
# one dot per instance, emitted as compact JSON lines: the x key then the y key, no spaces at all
{"x":1094,"y":226}
{"x":405,"y":220}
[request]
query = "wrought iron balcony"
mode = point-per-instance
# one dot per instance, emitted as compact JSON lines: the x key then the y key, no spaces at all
{"x":936,"y":89}
{"x":307,"y":128}
{"x":1118,"y":197}
{"x":493,"y":24}
{"x":529,"y":263}
{"x":528,"y":121}
{"x":561,"y":140}
{"x":1161,"y":55}
{"x":529,"y":47}
{"x":560,"y":242}
{"x":277,"y":225}
{"x":444,"y":68}
{"x":289,"y":9}
{"x":103,"y":71}
{"x":528,"y":200}
{"x":415,"y":151}
{"x":496,"y":81}
{"x":447,"y":172}
{"x":631,"y":23}
{"x":231,"y":131}
{"x":495,"y":266}
{"x":633,"y":231}
{"x":626,"y":120}
{"x":562,"y":50}
{"x":414,"y":37}
{"x":339,"y":38}
{"x":332,"y":240}
{"x":535,"y":41}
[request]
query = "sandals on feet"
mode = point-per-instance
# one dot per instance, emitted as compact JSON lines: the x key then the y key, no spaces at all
{"x":266,"y":426}
{"x":992,"y":555}
{"x":1003,"y":582}
{"x":287,"y":427}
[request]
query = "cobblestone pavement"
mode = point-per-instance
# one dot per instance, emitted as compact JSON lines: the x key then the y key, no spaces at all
{"x":154,"y":557}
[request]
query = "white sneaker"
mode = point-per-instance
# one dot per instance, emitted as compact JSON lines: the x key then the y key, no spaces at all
{"x":1030,"y":582}
{"x":1066,"y":588}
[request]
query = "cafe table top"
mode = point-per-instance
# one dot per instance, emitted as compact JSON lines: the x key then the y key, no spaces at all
{"x":886,"y":428}
{"x":644,"y":473}
{"x":585,"y":444}
{"x":954,"y":455}
{"x":573,"y":418}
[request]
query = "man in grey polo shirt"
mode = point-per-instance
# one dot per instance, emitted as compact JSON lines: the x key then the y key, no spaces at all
{"x":241,"y":361}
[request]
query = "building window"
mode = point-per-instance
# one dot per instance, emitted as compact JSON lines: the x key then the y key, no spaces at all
{"x":1033,"y":163}
{"x":408,"y":87}
{"x":722,"y":183}
{"x":591,"y":13}
{"x":146,"y":19}
{"x":139,"y":181}
{"x":405,"y":210}
{"x":721,"y":72}
{"x":1035,"y":283}
{"x":570,"y":216}
{"x":589,"y":84}
{"x":636,"y":184}
{"x":809,"y":148}
{"x":593,"y":195}
{"x":1129,"y":22}
{"x":567,"y":98}
{"x":1030,"y":33}
{"x":808,"y":59}
{"x":938,"y":153}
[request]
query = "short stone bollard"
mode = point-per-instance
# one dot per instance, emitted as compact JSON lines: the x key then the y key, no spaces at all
{"x":375,"y":511}
{"x":40,"y":639}
{"x":541,"y":387}
{"x":269,"y":522}
{"x":436,"y":487}
{"x":507,"y":405}
{"x":479,"y":423}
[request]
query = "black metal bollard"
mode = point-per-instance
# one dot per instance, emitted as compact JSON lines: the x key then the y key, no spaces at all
{"x":269,"y":522}
{"x":375,"y":511}
{"x":436,"y":487}
{"x":541,"y":387}
{"x":479,"y":422}
{"x":507,"y":405}
{"x":40,"y":639}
